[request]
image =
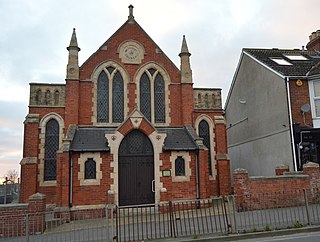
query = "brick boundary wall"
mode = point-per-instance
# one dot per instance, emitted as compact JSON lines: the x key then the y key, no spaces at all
{"x":283,"y":190}
{"x":13,"y":217}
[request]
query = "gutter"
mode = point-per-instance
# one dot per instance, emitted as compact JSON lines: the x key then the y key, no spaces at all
{"x":291,"y":125}
{"x":70,"y":180}
{"x":197,"y":176}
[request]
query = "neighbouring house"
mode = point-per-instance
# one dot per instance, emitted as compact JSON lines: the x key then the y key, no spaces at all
{"x":126,"y":127}
{"x":273,"y":109}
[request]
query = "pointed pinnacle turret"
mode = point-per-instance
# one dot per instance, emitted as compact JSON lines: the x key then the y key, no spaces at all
{"x":130,"y":12}
{"x":184,"y":47}
{"x":185,"y":68}
{"x":73,"y":41}
{"x":73,"y":66}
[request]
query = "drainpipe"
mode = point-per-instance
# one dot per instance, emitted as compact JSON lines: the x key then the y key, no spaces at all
{"x":70,"y":181}
{"x":197,"y":175}
{"x":291,"y":125}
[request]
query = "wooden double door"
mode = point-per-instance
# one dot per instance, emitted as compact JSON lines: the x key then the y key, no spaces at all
{"x":136,"y":170}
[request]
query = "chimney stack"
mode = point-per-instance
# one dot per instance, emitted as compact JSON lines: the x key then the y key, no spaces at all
{"x":314,"y":41}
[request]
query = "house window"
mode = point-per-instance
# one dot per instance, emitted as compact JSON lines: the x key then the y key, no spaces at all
{"x":180,"y":166}
{"x":152,"y":96}
{"x":51,"y":147}
{"x":316,"y":98}
{"x":204,"y":132}
{"x":90,"y":169}
{"x":110,"y":96}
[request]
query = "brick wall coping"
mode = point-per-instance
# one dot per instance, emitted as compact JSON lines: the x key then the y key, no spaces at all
{"x":240,"y":171}
{"x":293,"y":173}
{"x":282,"y":166}
{"x":13,"y":205}
{"x":311,"y":164}
{"x":37,"y":196}
{"x":82,"y":207}
{"x":283,"y":177}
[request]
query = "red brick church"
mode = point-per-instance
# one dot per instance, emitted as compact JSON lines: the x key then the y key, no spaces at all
{"x":126,"y":127}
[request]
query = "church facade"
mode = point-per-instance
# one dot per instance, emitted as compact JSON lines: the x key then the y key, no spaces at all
{"x":126,"y":127}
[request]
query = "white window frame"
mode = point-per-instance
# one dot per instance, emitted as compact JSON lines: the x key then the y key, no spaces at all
{"x":315,"y":118}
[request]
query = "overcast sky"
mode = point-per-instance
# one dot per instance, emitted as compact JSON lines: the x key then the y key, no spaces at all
{"x":34,"y":35}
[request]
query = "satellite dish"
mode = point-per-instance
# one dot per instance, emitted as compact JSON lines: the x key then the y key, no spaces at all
{"x":305,"y":108}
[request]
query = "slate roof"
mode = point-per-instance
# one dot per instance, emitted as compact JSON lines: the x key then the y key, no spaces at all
{"x":298,"y":68}
{"x":90,"y":139}
{"x":93,"y":139}
{"x":178,"y":138}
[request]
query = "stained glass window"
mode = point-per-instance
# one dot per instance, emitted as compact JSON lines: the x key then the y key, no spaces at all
{"x":51,"y":147}
{"x":103,"y":98}
{"x":159,"y":100}
{"x":204,"y":132}
{"x":145,"y":96}
{"x":110,"y":69}
{"x":117,"y":98}
{"x":152,"y":71}
{"x":90,"y":169}
{"x":136,"y":142}
{"x":180,"y":166}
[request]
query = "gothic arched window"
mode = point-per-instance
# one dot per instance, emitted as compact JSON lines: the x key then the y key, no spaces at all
{"x":117,"y":98}
{"x":90,"y":169}
{"x":159,"y":100}
{"x":110,"y":96}
{"x":103,"y":98}
{"x":145,"y":96}
{"x":204,"y":132}
{"x":179,"y":168}
{"x":153,"y":96}
{"x":51,"y":148}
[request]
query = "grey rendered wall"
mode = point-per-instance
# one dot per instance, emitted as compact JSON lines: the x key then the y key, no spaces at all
{"x":257,"y":120}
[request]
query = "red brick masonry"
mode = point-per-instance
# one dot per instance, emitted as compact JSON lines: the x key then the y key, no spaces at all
{"x":275,"y":190}
{"x":13,"y":217}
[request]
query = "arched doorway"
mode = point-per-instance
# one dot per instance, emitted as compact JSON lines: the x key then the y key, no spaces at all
{"x":136,"y":170}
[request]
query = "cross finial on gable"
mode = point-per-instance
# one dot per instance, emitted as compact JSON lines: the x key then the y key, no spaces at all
{"x":130,"y":12}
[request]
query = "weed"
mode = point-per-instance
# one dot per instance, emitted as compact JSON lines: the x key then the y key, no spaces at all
{"x":195,"y":236}
{"x":254,"y":229}
{"x":297,"y":225}
{"x":267,"y":228}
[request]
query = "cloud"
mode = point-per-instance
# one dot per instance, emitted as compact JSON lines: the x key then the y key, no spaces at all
{"x":34,"y":37}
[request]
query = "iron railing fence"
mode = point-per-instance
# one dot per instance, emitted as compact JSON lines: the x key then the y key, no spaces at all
{"x":274,"y":210}
{"x":219,"y":215}
{"x":171,"y":219}
{"x":78,"y":225}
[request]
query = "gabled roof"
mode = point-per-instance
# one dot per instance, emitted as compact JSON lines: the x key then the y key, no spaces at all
{"x":295,"y":68}
{"x":130,"y":21}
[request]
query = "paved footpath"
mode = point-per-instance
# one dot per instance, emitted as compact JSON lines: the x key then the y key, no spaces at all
{"x":300,"y":234}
